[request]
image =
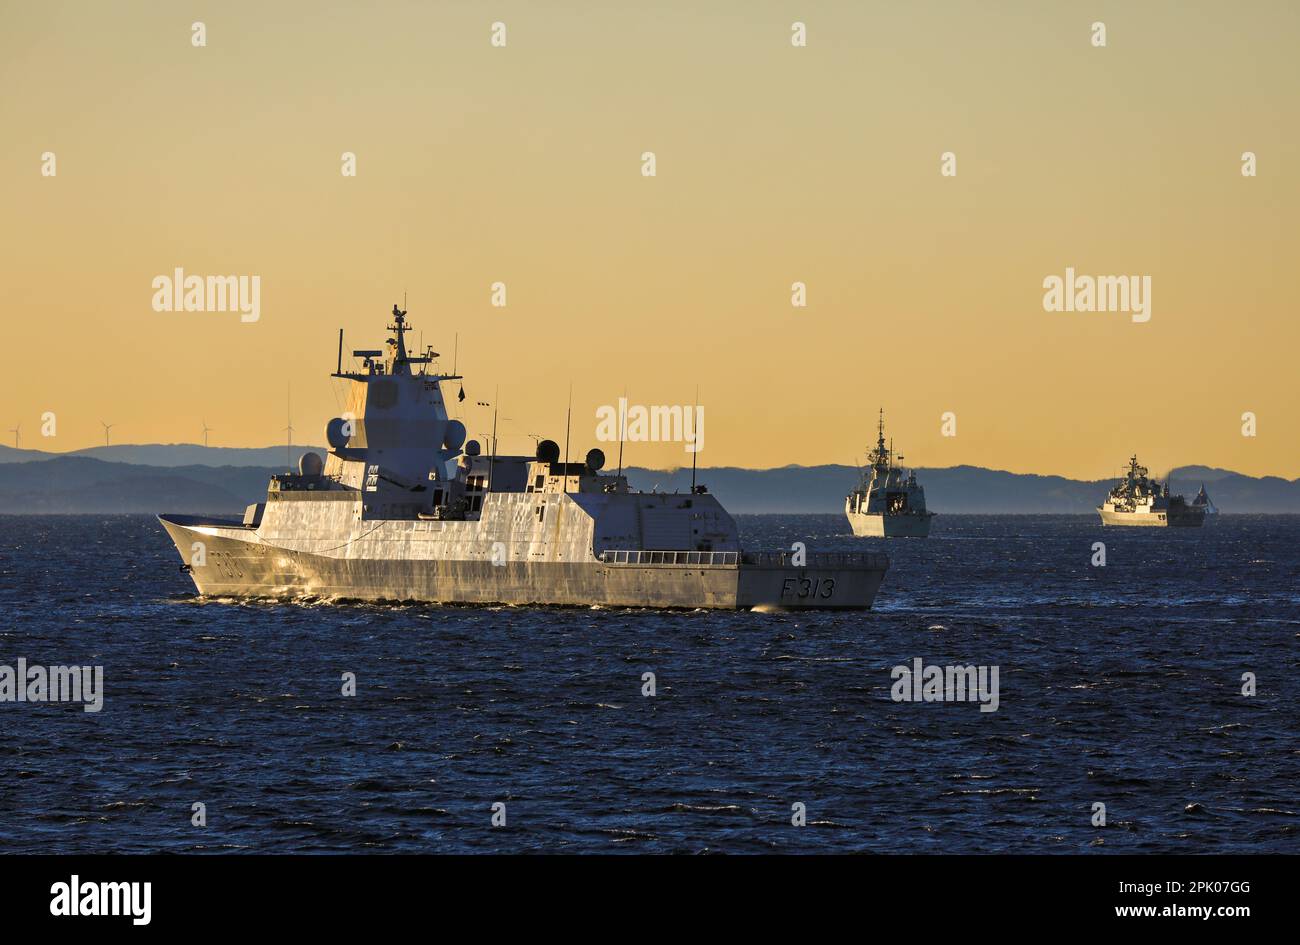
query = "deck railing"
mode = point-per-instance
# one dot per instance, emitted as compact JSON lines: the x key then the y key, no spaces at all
{"x":817,"y":559}
{"x":768,"y":559}
{"x":702,"y":558}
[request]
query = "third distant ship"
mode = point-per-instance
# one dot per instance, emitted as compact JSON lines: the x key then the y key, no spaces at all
{"x":1139,"y":500}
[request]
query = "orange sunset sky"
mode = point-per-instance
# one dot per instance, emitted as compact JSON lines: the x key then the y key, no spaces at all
{"x":775,"y":164}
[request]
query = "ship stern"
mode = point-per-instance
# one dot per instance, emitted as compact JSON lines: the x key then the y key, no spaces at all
{"x":822,"y":581}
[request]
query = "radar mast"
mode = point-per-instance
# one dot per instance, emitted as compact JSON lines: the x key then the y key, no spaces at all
{"x":401,"y":364}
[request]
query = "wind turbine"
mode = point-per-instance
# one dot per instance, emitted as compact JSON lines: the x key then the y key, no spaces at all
{"x":206,"y":430}
{"x":18,"y":435}
{"x":107,"y":427}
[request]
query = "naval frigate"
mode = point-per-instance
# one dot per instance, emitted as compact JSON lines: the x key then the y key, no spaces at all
{"x":1140,"y":500}
{"x":403,"y":508}
{"x":886,"y":503}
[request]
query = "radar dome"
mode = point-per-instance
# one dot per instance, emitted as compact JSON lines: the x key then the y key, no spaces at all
{"x":472,"y":448}
{"x":595,"y":460}
{"x":310,"y":464}
{"x":454,"y":437}
{"x":548,"y":451}
{"x":336,"y":433}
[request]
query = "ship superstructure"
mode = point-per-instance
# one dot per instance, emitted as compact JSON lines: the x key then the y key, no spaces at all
{"x":888,"y":502}
{"x":1139,"y":499}
{"x":404,"y":508}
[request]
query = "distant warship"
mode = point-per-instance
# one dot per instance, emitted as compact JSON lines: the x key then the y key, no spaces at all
{"x":403,"y":508}
{"x":886,"y":504}
{"x":1139,"y":500}
{"x":1202,"y":500}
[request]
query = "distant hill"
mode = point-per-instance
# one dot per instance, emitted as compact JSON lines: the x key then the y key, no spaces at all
{"x":78,"y":483}
{"x":1200,"y":474}
{"x":170,"y":454}
{"x":822,"y":489}
{"x":81,"y":484}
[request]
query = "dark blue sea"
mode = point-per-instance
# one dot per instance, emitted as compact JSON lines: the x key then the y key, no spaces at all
{"x":1119,"y":685}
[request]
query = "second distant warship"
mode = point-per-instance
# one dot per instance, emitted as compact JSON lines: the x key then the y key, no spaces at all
{"x":403,"y":508}
{"x":1138,"y":499}
{"x":887,"y":503}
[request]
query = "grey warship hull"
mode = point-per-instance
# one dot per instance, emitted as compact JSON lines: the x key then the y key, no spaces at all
{"x":890,"y":526}
{"x":236,"y":562}
{"x":1160,"y":518}
{"x":403,"y":508}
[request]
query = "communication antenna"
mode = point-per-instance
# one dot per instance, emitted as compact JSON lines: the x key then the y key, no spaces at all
{"x":492,"y":456}
{"x":568,"y":423}
{"x":695,"y":453}
{"x":622,"y":422}
{"x":288,"y":415}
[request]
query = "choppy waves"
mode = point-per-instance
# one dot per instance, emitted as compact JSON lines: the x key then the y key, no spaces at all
{"x":1119,"y":685}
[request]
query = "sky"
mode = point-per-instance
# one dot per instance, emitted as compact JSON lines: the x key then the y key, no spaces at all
{"x":775,"y":164}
